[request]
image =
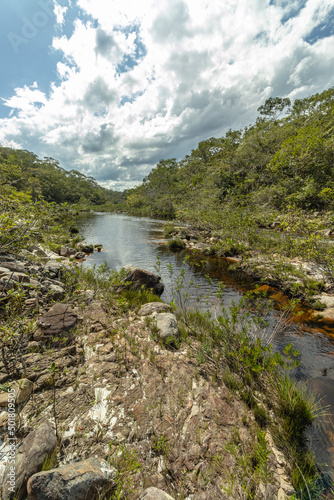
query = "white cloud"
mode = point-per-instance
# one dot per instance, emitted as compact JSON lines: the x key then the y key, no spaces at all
{"x":60,"y":13}
{"x":148,"y":80}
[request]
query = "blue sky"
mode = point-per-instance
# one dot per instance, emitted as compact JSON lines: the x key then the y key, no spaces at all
{"x":109,"y":87}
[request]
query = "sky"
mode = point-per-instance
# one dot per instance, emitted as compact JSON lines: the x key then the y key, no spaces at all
{"x":110,"y":87}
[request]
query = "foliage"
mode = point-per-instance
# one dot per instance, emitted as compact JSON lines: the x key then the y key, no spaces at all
{"x":271,"y":164}
{"x":235,"y":347}
{"x":46,"y":180}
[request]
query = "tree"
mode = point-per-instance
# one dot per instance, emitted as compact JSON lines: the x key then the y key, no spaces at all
{"x":274,"y":106}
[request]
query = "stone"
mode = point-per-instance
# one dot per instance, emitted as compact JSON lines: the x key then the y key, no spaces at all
{"x":167,"y":326}
{"x":153,"y":307}
{"x":23,"y":388}
{"x":66,"y":251}
{"x":4,"y":270}
{"x":79,"y":255}
{"x":31,"y":304}
{"x":155,"y":494}
{"x":21,"y":277}
{"x":29,"y":457}
{"x":52,"y":268}
{"x":57,"y":292}
{"x":136,"y":278}
{"x":38,"y":251}
{"x":89,"y":479}
{"x":59,"y":320}
{"x":13,"y":266}
{"x":83,"y":246}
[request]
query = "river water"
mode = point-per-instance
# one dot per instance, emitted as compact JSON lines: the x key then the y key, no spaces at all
{"x":139,"y":241}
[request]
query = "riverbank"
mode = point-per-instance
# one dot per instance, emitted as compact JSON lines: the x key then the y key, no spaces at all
{"x":283,"y":278}
{"x":183,"y":415}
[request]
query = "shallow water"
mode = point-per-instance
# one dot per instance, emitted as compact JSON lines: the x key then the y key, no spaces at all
{"x":138,"y":241}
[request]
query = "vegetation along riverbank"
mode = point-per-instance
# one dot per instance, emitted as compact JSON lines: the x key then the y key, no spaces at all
{"x":263,"y":195}
{"x":118,"y":394}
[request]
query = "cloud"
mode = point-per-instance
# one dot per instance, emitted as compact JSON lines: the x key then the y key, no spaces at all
{"x":137,"y":82}
{"x":60,"y":13}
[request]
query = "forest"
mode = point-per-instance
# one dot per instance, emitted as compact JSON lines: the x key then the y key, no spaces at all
{"x":283,"y":161}
{"x":46,"y":179}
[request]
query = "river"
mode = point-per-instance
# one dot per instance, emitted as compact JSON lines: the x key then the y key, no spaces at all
{"x":139,"y":241}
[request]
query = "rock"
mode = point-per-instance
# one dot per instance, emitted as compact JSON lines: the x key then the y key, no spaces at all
{"x":153,"y":307}
{"x":53,"y":268}
{"x":13,"y":266}
{"x":31,"y":304}
{"x":58,"y":321}
{"x":66,"y":251}
{"x":138,"y":277}
{"x":80,"y":255}
{"x":29,"y":457}
{"x":38,"y":251}
{"x":88,"y":479}
{"x":155,"y":494}
{"x":84,"y":247}
{"x":57,"y":292}
{"x":167,"y":326}
{"x":23,"y":388}
{"x":88,"y":296}
{"x":4,"y":270}
{"x":98,"y":248}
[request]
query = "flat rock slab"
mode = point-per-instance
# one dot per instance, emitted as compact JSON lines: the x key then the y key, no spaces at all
{"x":86,"y":480}
{"x":155,"y":494}
{"x":59,"y":320}
{"x":29,"y":457}
{"x":154,"y":307}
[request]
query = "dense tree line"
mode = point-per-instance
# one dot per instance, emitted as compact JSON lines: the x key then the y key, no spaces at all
{"x":286,"y":158}
{"x":45,"y":179}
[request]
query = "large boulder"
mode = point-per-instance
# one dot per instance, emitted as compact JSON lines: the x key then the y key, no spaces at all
{"x":86,"y":480}
{"x":29,"y":458}
{"x":137,"y":278}
{"x":155,"y":494}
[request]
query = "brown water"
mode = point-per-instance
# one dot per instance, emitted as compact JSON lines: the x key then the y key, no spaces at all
{"x":139,"y":242}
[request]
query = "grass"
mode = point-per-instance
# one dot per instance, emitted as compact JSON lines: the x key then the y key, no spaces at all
{"x":229,"y":347}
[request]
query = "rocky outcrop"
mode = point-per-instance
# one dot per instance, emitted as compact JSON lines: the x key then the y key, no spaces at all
{"x":29,"y":458}
{"x":86,"y":480}
{"x":118,"y":394}
{"x":137,"y":278}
